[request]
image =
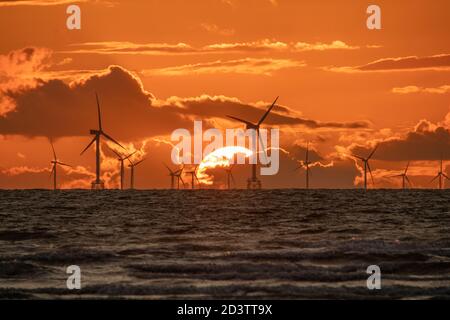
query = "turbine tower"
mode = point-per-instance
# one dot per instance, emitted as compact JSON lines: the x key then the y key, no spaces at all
{"x":230,"y":177}
{"x":367,"y":166}
{"x":122,"y":166}
{"x":132,"y":165}
{"x":405,"y":178}
{"x":305,"y":165}
{"x":254,"y":182}
{"x":175,"y":175}
{"x":441,"y":175}
{"x":55,"y":162}
{"x":194,"y":177}
{"x":98,"y":184}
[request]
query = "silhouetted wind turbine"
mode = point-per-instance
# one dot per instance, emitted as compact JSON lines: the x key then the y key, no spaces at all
{"x":253,"y":182}
{"x":132,"y":165}
{"x":404,"y":176}
{"x":367,"y":166}
{"x":175,"y":175}
{"x":193,"y":174}
{"x":122,"y":166}
{"x":441,"y":175}
{"x":306,"y":164}
{"x":230,"y":177}
{"x":98,"y":184}
{"x":55,"y":162}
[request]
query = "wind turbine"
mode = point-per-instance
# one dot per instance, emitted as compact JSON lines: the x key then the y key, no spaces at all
{"x":404,"y":176}
{"x":441,"y":175}
{"x":367,"y":166}
{"x":253,"y":182}
{"x":175,"y":175}
{"x":132,"y":165}
{"x":55,"y":162}
{"x":98,"y":184}
{"x":306,"y":164}
{"x":122,"y":166}
{"x":230,"y":177}
{"x":193,"y":174}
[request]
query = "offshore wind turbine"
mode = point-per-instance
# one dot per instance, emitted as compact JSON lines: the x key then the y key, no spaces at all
{"x":55,"y":162}
{"x":230,"y":177}
{"x":98,"y":133}
{"x":122,"y":166}
{"x":305,"y":165}
{"x":194,"y":177}
{"x":405,"y":178}
{"x":441,"y":175}
{"x":175,"y":175}
{"x":132,"y":165}
{"x":367,"y":166}
{"x":254,"y":182}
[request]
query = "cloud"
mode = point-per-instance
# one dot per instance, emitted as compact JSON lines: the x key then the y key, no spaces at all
{"x":118,"y":47}
{"x":240,"y":66}
{"x":439,"y":62}
{"x":260,"y":46}
{"x":414,"y":89}
{"x":427,"y":141}
{"x":319,"y":46}
{"x":18,"y":71}
{"x":54,"y":108}
{"x":254,"y":46}
{"x":215,"y":29}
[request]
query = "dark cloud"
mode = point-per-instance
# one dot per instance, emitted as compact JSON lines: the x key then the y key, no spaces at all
{"x":55,"y":108}
{"x":426,"y":142}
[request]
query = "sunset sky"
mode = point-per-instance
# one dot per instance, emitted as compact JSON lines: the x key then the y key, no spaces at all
{"x":159,"y":65}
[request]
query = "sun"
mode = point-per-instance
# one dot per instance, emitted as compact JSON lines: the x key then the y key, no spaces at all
{"x":219,"y":158}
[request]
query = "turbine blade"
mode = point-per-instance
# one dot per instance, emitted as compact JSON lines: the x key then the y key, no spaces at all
{"x":171,"y":172}
{"x":409,"y":181}
{"x":117,"y":154}
{"x":182,"y":181}
{"x":130,"y":155}
{"x":99,"y":113}
{"x":307,"y":152}
{"x":110,"y":138}
{"x":407,"y":167}
{"x":445,"y":176}
{"x":93,"y":140}
{"x":358,"y":157}
{"x":370,"y":171}
{"x":243,"y":121}
{"x":53,"y":149}
{"x":267,"y":112}
{"x":262,"y":143}
{"x":232,"y":178}
{"x":53,"y":170}
{"x":64,"y":164}
{"x":373,"y":152}
{"x":435,"y":178}
{"x":139,"y":162}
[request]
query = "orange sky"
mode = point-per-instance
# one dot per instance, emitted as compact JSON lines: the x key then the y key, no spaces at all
{"x":159,"y":65}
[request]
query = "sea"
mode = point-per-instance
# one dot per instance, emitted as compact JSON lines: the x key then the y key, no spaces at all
{"x":225,"y":244}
